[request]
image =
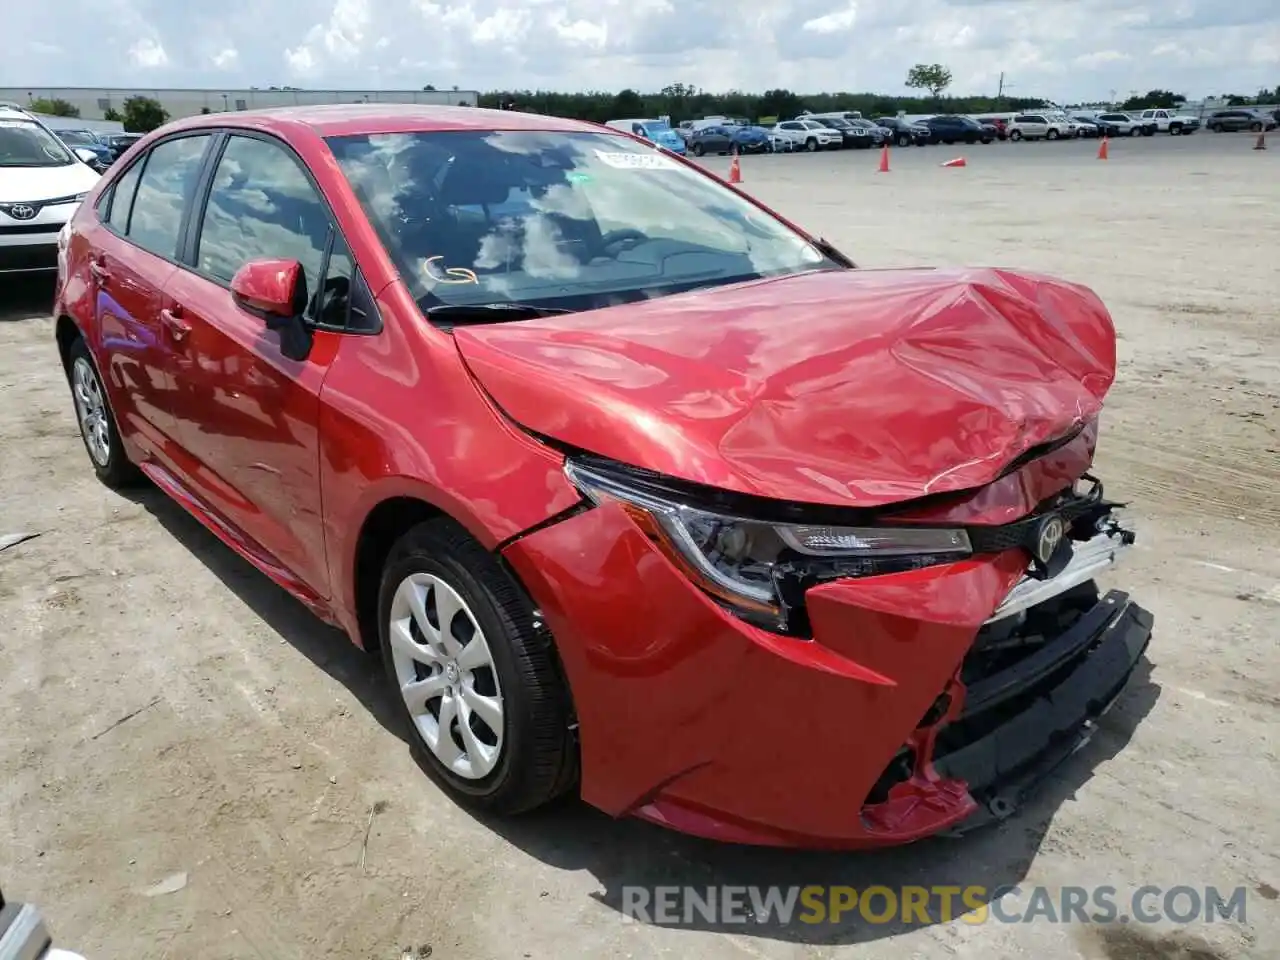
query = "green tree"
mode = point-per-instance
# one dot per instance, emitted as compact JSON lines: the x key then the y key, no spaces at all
{"x":627,"y":104}
{"x":54,"y":107}
{"x":111,"y":113}
{"x":933,"y":77}
{"x":779,"y":103}
{"x":1154,"y":100}
{"x":143,"y":114}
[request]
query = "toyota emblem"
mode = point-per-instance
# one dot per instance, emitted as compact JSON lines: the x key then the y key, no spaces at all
{"x":1048,"y":537}
{"x":22,"y":211}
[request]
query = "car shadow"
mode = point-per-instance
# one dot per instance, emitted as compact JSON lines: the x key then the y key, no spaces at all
{"x":327,"y":647}
{"x":621,"y":854}
{"x":985,"y":861}
{"x":26,"y":298}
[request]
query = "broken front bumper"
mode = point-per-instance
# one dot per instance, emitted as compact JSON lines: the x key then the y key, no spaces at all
{"x":910,"y":711}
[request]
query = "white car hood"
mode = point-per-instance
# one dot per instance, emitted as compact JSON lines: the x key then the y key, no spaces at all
{"x":40,"y":184}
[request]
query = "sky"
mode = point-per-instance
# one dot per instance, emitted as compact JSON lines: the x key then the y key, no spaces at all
{"x":1067,"y":50}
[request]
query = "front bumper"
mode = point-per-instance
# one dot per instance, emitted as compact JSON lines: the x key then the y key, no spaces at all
{"x":894,"y":723}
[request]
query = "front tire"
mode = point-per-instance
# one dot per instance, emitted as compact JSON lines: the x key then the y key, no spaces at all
{"x":97,"y":421}
{"x":1175,"y":129}
{"x":811,"y":145}
{"x":473,"y":673}
{"x":904,"y":140}
{"x":1015,"y":135}
{"x":1135,"y":131}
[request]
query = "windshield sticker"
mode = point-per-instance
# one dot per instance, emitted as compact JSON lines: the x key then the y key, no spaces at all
{"x":579,"y":178}
{"x":451,"y":274}
{"x":636,"y":161}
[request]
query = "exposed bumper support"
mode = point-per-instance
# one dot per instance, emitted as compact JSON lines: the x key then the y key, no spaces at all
{"x":1090,"y":559}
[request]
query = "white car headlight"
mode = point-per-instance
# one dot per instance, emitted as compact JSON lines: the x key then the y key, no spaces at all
{"x":759,"y":569}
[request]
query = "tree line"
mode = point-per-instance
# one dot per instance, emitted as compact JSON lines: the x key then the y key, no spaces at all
{"x":682,"y":101}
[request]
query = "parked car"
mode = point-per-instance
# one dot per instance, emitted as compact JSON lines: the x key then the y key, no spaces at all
{"x":1126,"y":124}
{"x":41,"y":183}
{"x":713,"y":139}
{"x":1038,"y":126}
{"x":1230,"y":121}
{"x":751,"y":139}
{"x":999,"y":124}
{"x":906,"y":133}
{"x":1172,"y":122}
{"x":120,"y":142}
{"x":806,"y":134}
{"x":852,"y":136}
{"x":87,"y":140}
{"x":538,"y":458}
{"x":879,"y":135}
{"x":950,"y":128}
{"x":1085,"y":126}
{"x":656,"y":131}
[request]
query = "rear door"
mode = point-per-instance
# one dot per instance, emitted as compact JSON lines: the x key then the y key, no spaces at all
{"x":135,"y":243}
{"x":247,"y":414}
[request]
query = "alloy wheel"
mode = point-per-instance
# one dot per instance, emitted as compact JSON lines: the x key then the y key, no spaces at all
{"x":446,"y":674}
{"x":91,"y":411}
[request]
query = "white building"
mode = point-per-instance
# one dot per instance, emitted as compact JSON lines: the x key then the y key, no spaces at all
{"x":94,"y":102}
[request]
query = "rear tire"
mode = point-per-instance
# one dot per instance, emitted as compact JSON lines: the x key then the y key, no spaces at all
{"x":97,"y":421}
{"x":437,"y":566}
{"x":698,"y":149}
{"x":1051,"y":135}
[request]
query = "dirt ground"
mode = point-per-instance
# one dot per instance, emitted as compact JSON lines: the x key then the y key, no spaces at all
{"x":227,"y":816}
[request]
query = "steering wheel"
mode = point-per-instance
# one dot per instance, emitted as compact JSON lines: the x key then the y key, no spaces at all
{"x":615,"y":237}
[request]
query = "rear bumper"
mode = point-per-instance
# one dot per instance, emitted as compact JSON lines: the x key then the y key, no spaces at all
{"x":867,"y":735}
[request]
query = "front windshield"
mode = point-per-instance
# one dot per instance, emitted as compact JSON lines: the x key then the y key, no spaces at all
{"x":657,"y":126}
{"x":78,"y":137}
{"x":571,"y":220}
{"x":27,"y":144}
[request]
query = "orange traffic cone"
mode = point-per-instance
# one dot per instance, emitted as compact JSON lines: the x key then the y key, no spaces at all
{"x":957,"y":162}
{"x":884,"y":159}
{"x":1102,"y":149}
{"x":735,"y":170}
{"x":1262,"y":142}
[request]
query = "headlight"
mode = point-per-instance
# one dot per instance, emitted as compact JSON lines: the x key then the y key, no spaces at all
{"x":760,"y":569}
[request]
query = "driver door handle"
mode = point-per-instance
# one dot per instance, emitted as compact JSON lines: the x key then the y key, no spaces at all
{"x":100,"y":273}
{"x":172,"y":318}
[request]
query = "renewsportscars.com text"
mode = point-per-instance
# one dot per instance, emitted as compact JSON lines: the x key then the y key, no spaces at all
{"x":676,"y":906}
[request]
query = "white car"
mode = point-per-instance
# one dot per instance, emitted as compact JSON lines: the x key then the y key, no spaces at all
{"x":808,"y":135}
{"x":42,"y":182}
{"x":1172,"y":122}
{"x":1038,"y":126}
{"x":1125,"y":124}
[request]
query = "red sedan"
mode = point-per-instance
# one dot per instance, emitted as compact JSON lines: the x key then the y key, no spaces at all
{"x":639,"y":489}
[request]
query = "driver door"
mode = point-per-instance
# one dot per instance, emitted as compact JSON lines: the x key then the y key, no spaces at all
{"x":247,"y":414}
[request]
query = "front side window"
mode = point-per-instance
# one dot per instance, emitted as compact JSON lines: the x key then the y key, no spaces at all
{"x":578,"y":221}
{"x":24,"y":143}
{"x":261,"y":206}
{"x":167,"y":184}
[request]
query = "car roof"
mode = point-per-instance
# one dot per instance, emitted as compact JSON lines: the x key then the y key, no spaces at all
{"x":341,"y":119}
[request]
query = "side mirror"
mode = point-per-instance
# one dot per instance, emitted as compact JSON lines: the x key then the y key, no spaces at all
{"x":85,"y":155}
{"x":276,"y":290}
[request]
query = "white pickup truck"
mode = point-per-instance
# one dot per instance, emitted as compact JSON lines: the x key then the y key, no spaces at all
{"x":1172,"y":122}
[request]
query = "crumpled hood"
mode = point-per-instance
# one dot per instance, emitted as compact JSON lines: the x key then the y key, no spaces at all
{"x":849,"y":387}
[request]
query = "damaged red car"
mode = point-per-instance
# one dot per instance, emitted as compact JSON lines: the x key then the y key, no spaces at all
{"x":640,"y":490}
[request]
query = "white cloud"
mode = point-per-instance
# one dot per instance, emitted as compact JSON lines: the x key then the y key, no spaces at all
{"x":1080,"y":49}
{"x":148,"y":54}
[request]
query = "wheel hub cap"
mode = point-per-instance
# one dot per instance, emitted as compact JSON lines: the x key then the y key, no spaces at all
{"x":447,"y":676}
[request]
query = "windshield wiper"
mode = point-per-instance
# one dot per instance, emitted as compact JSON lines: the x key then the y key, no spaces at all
{"x":456,"y":313}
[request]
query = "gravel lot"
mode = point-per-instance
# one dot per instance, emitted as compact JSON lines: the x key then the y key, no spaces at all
{"x":258,"y":742}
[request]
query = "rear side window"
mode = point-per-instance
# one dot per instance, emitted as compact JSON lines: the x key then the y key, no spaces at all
{"x":122,"y":199}
{"x":167,"y":183}
{"x":261,"y":205}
